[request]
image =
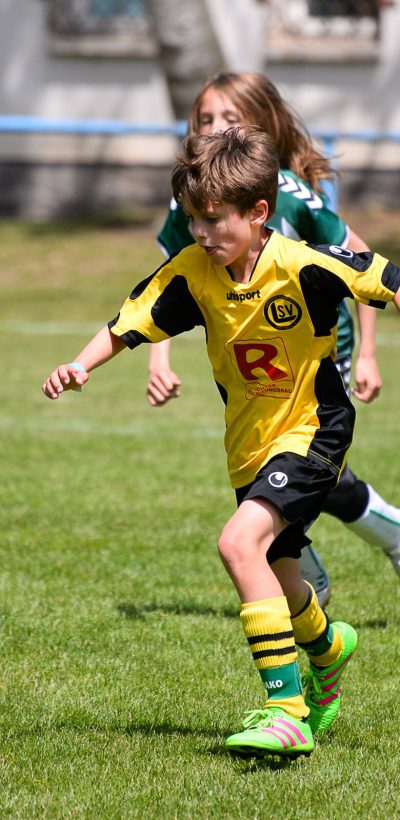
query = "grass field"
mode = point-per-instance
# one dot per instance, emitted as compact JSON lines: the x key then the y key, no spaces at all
{"x":124,"y":664}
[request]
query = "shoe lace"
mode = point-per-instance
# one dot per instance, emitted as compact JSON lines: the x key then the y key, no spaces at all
{"x":258,"y":717}
{"x":312,"y":683}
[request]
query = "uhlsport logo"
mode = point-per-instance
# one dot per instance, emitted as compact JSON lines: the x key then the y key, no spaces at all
{"x":338,"y":251}
{"x":282,"y":312}
{"x":278,"y":480}
{"x":232,"y":296}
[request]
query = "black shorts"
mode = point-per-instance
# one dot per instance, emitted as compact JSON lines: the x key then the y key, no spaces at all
{"x":297,"y":486}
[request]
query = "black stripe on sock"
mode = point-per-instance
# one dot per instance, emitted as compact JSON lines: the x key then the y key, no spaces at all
{"x":268,"y":653}
{"x":274,"y":636}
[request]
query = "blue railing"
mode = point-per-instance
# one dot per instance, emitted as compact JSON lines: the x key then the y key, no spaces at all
{"x":27,"y":124}
{"x":15,"y":124}
{"x":19,"y":124}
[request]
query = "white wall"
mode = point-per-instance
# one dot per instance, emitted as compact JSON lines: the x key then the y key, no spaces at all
{"x":239,"y":27}
{"x":348,"y":96}
{"x":34,"y":82}
{"x":351,"y":96}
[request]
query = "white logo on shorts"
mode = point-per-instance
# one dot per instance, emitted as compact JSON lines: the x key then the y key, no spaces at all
{"x":278,"y":479}
{"x":340,"y":251}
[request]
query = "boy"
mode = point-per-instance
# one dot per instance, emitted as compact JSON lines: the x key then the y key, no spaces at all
{"x":269,"y":308}
{"x":248,"y":98}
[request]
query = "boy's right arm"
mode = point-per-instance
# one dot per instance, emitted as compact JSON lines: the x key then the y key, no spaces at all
{"x":104,"y":346}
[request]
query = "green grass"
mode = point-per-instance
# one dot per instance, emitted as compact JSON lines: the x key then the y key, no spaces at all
{"x":123,"y":661}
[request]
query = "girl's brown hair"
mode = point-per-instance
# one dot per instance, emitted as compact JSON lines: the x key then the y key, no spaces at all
{"x":239,"y":166}
{"x":259,"y":102}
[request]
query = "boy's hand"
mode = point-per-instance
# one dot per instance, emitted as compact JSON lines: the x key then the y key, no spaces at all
{"x":368,"y":379}
{"x":64,"y":377}
{"x":162,"y":386}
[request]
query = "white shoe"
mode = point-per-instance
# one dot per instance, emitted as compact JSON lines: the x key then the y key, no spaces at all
{"x":380,"y":525}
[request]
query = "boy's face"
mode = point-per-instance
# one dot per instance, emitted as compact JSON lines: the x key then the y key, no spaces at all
{"x":223,"y":233}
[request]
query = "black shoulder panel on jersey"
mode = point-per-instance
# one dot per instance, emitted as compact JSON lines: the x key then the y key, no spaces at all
{"x":138,"y":289}
{"x":322,"y":291}
{"x":141,"y":286}
{"x":391,"y":277}
{"x":357,"y":261}
{"x":175,"y":309}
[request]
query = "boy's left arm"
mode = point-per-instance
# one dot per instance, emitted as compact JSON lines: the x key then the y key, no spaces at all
{"x":366,"y":370}
{"x":367,"y":326}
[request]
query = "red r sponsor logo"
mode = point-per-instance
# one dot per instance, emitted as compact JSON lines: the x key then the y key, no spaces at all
{"x":249,"y":362}
{"x":264,"y":368}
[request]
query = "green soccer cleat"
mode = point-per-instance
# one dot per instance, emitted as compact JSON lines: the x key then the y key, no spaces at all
{"x":322,"y":694}
{"x":271,"y":732}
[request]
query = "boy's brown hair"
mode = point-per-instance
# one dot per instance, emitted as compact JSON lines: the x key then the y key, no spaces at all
{"x":239,"y":166}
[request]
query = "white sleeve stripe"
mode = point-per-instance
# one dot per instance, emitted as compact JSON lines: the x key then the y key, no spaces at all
{"x":163,"y":249}
{"x":346,"y":239}
{"x":288,"y":185}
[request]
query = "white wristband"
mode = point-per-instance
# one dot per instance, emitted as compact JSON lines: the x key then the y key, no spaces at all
{"x":82,"y":369}
{"x":77,"y":366}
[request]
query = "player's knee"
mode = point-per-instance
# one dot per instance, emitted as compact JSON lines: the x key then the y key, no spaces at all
{"x":235,"y":547}
{"x":229,"y":545}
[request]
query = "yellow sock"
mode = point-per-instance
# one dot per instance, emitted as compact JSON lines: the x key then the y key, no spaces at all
{"x":269,"y":632}
{"x":333,"y":652}
{"x":313,"y":632}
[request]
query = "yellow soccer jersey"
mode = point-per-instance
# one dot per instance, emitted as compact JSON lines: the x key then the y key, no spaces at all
{"x":271,"y":342}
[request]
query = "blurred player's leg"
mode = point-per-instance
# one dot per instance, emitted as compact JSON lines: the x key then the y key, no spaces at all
{"x":313,"y":571}
{"x":367,"y":514}
{"x":380,"y":525}
{"x":360,"y":507}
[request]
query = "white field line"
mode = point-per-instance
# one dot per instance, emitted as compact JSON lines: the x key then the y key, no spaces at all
{"x":63,"y":328}
{"x":53,"y":328}
{"x":89,"y":428}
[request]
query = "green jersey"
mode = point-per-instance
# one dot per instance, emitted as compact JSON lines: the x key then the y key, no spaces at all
{"x":300,"y":214}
